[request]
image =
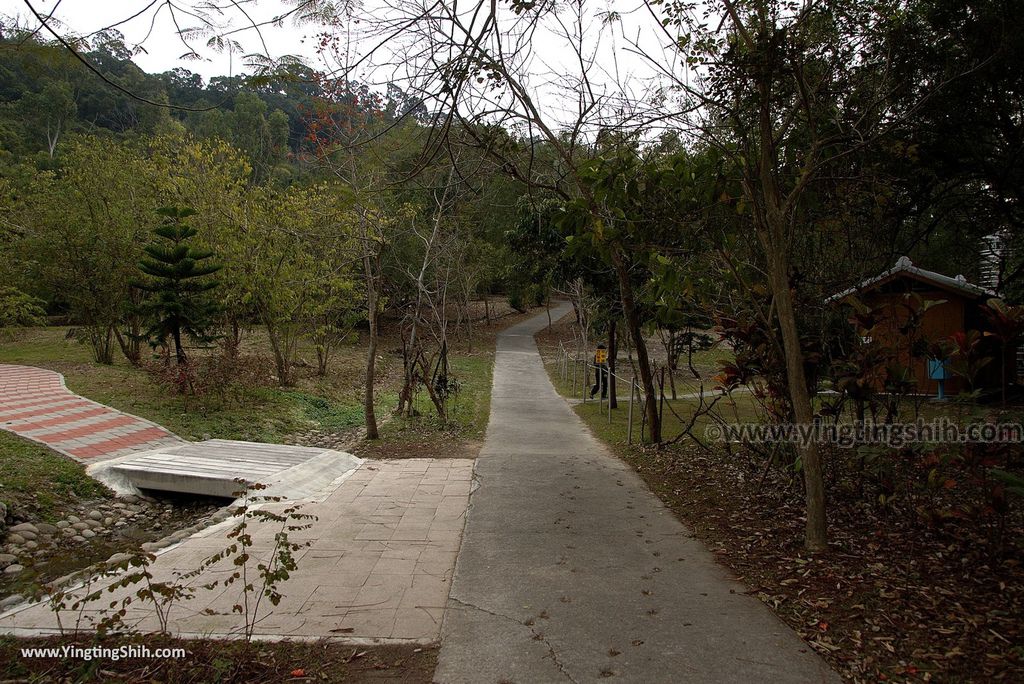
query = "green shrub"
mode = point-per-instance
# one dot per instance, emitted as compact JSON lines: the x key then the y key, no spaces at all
{"x":18,"y":309}
{"x":517,"y":299}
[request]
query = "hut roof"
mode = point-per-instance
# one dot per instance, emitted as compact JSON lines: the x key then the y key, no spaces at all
{"x":905,"y":268}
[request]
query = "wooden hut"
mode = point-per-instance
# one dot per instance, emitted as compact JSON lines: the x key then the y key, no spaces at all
{"x":956,"y":308}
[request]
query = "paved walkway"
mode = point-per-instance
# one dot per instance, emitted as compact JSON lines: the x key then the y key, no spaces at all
{"x":35,"y":403}
{"x":378,"y":569}
{"x":571,"y":570}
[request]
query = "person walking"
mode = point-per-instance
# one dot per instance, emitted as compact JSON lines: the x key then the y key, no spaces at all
{"x":600,"y":372}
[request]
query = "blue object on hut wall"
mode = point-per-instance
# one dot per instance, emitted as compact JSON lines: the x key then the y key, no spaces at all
{"x":937,"y":371}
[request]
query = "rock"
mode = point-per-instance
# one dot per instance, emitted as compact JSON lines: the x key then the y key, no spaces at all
{"x":29,"y":535}
{"x":14,"y":569}
{"x":63,"y":525}
{"x":46,"y":528}
{"x":25,"y":527}
{"x":31,"y":545}
{"x":94,"y":524}
{"x":15,"y":539}
{"x":3,"y":514}
{"x":95,"y":515}
{"x":130,"y":499}
{"x":7,"y":559}
{"x":79,"y":526}
{"x":78,"y":539}
{"x":68,"y":531}
{"x":88,"y":534}
{"x":118,"y":558}
{"x":63,"y":580}
{"x":73,"y":519}
{"x":8,"y":601}
{"x":108,"y":521}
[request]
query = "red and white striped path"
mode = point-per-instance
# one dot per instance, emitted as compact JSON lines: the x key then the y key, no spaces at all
{"x":35,"y":404}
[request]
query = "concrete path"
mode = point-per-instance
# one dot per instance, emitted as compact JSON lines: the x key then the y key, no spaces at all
{"x":378,"y":569}
{"x":35,"y":403}
{"x":572,"y":570}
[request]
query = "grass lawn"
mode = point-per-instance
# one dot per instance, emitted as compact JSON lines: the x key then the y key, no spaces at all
{"x":26,"y":465}
{"x":424,"y":436}
{"x":676,"y":413}
{"x":259,"y":412}
{"x":254,"y":408}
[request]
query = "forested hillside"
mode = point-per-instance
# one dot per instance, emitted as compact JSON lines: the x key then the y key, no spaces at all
{"x":48,"y":94}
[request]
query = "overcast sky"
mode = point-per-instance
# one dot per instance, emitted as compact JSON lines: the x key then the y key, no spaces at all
{"x":163,"y":47}
{"x":617,"y":68}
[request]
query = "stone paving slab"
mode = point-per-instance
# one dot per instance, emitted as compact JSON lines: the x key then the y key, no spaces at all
{"x":378,"y":569}
{"x":36,"y":404}
{"x":571,"y":570}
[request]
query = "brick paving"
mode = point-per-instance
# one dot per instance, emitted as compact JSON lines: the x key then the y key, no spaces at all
{"x":36,"y":404}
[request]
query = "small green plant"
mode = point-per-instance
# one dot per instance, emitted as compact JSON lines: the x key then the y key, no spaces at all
{"x":1014,"y":483}
{"x":134,"y":576}
{"x":275,"y":569}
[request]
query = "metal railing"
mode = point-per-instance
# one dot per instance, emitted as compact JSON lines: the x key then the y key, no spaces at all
{"x":581,"y":368}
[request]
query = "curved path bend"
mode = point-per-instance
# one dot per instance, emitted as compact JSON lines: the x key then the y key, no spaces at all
{"x":36,"y":404}
{"x":571,"y":570}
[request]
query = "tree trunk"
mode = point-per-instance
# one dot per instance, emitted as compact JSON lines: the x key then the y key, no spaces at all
{"x":772,"y":216}
{"x":405,"y":400}
{"x":100,"y":340}
{"x":803,"y":412}
{"x":322,"y":353}
{"x":179,"y":351}
{"x":636,"y":333}
{"x":129,"y":347}
{"x":233,"y":339}
{"x":280,"y":357}
{"x":612,"y":351}
{"x":371,"y":354}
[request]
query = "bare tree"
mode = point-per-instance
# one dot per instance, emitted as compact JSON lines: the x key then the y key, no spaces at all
{"x":478,"y":67}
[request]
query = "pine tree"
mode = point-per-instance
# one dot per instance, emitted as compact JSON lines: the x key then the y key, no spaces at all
{"x":181,"y":305}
